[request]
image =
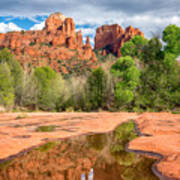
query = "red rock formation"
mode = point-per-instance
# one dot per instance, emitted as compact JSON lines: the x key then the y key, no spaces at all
{"x":54,"y":22}
{"x":111,"y":38}
{"x":56,"y":42}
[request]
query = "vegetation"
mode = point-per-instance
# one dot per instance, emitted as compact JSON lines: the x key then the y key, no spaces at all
{"x":122,"y":135}
{"x":46,"y":128}
{"x":12,"y":70}
{"x":47,"y":146}
{"x":97,"y":141}
{"x":145,"y":78}
{"x":97,"y":83}
{"x":5,"y":164}
{"x":6,"y":86}
{"x":126,"y":80}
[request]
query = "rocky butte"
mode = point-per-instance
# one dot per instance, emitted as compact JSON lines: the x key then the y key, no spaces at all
{"x":58,"y":42}
{"x":110,"y":38}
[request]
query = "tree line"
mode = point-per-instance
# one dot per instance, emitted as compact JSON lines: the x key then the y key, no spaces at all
{"x":145,"y":78}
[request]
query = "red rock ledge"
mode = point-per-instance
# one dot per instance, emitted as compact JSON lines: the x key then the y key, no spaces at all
{"x":17,"y":133}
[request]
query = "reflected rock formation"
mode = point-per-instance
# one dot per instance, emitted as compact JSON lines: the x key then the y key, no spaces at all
{"x":92,"y":157}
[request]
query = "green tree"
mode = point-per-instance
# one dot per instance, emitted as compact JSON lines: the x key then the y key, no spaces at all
{"x":126,"y":77}
{"x":134,"y":47}
{"x":152,"y":53}
{"x":49,"y":84}
{"x":30,"y":91}
{"x":6,"y":86}
{"x":96,"y":88}
{"x":16,"y":72}
{"x":171,"y":36}
{"x":159,"y":85}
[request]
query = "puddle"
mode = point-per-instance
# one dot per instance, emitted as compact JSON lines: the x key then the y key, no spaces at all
{"x":86,"y":157}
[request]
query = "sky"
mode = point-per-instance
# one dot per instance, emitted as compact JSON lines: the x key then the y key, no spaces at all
{"x":150,"y":16}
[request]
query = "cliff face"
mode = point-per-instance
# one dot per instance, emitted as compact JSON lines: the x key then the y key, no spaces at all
{"x":111,"y":38}
{"x":57,"y":42}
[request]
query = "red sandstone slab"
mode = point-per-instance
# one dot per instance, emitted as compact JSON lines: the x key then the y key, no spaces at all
{"x":164,"y":138}
{"x":18,"y":132}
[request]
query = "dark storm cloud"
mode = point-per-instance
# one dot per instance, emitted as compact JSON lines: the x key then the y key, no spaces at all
{"x":148,"y":15}
{"x":13,"y":7}
{"x":139,"y":6}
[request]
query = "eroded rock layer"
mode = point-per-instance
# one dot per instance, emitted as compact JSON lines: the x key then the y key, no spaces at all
{"x":56,"y":42}
{"x":110,"y":38}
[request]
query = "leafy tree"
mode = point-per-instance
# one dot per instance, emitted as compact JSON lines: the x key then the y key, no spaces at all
{"x":6,"y":86}
{"x":134,"y":47}
{"x":96,"y":86}
{"x":127,"y":78}
{"x":49,"y":84}
{"x":159,"y":78}
{"x":16,"y":72}
{"x":74,"y":97}
{"x":128,"y":49}
{"x":171,"y":36}
{"x":30,"y":91}
{"x":152,"y":52}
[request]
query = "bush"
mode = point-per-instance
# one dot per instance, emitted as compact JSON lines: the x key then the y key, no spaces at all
{"x":46,"y":128}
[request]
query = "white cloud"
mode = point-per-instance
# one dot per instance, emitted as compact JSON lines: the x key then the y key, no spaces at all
{"x":38,"y":26}
{"x":149,"y":24}
{"x":87,"y":31}
{"x":9,"y":27}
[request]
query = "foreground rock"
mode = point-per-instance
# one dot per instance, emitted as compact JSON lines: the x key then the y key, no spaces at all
{"x":18,"y":131}
{"x":161,"y":135}
{"x":110,"y":38}
{"x":57,"y":45}
{"x":161,"y":132}
{"x":90,"y":157}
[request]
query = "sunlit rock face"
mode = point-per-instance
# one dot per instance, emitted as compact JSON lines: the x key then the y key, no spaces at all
{"x":111,"y":38}
{"x":56,"y":42}
{"x":54,"y":21}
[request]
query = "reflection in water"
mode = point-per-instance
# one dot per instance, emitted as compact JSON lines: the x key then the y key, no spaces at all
{"x":90,"y":175}
{"x":93,"y":157}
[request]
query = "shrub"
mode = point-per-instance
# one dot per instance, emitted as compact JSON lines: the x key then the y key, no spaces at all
{"x":46,"y":147}
{"x":46,"y":128}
